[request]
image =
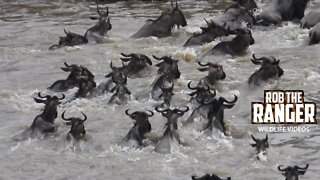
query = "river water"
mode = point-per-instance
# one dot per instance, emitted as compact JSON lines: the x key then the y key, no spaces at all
{"x":29,"y":27}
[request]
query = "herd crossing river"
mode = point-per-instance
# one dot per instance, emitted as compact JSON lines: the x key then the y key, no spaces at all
{"x":121,"y":118}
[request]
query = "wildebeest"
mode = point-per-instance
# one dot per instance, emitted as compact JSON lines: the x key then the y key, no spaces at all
{"x":311,"y":19}
{"x":314,"y":34}
{"x":72,"y":39}
{"x":282,"y":10}
{"x":261,"y":146}
{"x":86,"y":86}
{"x":210,"y":177}
{"x":166,"y":94}
{"x":164,"y":81}
{"x":99,"y":30}
{"x":293,"y":173}
{"x":269,"y":69}
{"x":207,"y":35}
{"x":215,"y":72}
{"x":120,"y":92}
{"x":118,"y":74}
{"x":76,"y":73}
{"x":44,"y":122}
{"x":171,"y":128}
{"x":163,"y":25}
{"x":137,"y":62}
{"x":235,"y":17}
{"x":141,"y":126}
{"x":168,"y":65}
{"x":201,"y":92}
{"x":237,"y":46}
{"x":77,"y":131}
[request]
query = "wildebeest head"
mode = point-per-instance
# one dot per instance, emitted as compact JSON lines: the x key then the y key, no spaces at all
{"x":166,"y":94}
{"x":103,"y":25}
{"x":172,"y":115}
{"x":269,"y":69}
{"x":293,"y":173}
{"x":242,"y":36}
{"x":176,"y":15}
{"x":51,"y":103}
{"x":261,"y":146}
{"x":77,"y":126}
{"x":141,"y":119}
{"x":215,"y":28}
{"x":201,"y":91}
{"x":136,"y":62}
{"x":215,"y":72}
{"x":76,"y":72}
{"x":210,"y":177}
{"x":216,"y":112}
{"x":118,"y":74}
{"x":168,"y":66}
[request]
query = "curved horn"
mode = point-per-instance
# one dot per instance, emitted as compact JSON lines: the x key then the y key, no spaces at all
{"x":127,"y":112}
{"x":85,"y":117}
{"x":304,"y":168}
{"x":151,"y":113}
{"x":147,"y":59}
{"x":65,"y":31}
{"x":279,"y":168}
{"x":64,"y":118}
{"x":126,"y":55}
{"x":235,"y":100}
{"x":203,"y":65}
{"x":184,"y":111}
{"x":157,"y":58}
{"x":67,"y":65}
{"x":39,"y":94}
{"x":160,"y":111}
{"x":189,"y":86}
{"x":112,"y":67}
{"x":63,"y":96}
{"x":98,"y":10}
{"x":255,"y":140}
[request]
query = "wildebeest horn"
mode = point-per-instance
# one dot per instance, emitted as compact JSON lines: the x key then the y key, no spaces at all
{"x":127,"y":55}
{"x":256,"y":60}
{"x":127,"y":112}
{"x":98,"y":10}
{"x":151,"y":113}
{"x":65,"y":32}
{"x":184,"y":111}
{"x":112,"y":67}
{"x":39,"y":94}
{"x":189,"y":86}
{"x":85,"y":117}
{"x":279,"y":168}
{"x":64,"y":118}
{"x":157,"y":58}
{"x":255,"y":140}
{"x":206,"y":21}
{"x":107,"y":13}
{"x":176,"y":3}
{"x":304,"y":168}
{"x":235,"y":99}
{"x":160,"y":111}
{"x":63,"y":96}
{"x":67,"y":65}
{"x":203,"y":65}
{"x":148,"y":59}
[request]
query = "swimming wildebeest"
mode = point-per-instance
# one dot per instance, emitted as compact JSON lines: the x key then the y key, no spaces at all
{"x":166,"y":94}
{"x":201,"y":92}
{"x":314,"y":34}
{"x":171,"y":128}
{"x":168,"y":65}
{"x":310,"y":20}
{"x":72,"y":81}
{"x":137,"y":63}
{"x":207,"y":35}
{"x":210,"y":177}
{"x":100,"y":29}
{"x":120,"y":92}
{"x":141,"y":126}
{"x":87,"y":85}
{"x":77,"y":131}
{"x":282,"y":10}
{"x":237,"y":46}
{"x":72,"y":39}
{"x":163,"y":25}
{"x":215,"y":72}
{"x":261,"y":146}
{"x":293,"y":173}
{"x":44,"y":122}
{"x":269,"y":69}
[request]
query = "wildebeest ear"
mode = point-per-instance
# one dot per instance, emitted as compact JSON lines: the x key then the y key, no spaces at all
{"x":108,"y":75}
{"x":203,"y":69}
{"x":94,"y":17}
{"x":39,"y":100}
{"x":228,"y":106}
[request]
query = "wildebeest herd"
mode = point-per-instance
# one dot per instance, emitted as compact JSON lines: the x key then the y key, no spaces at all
{"x":204,"y":103}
